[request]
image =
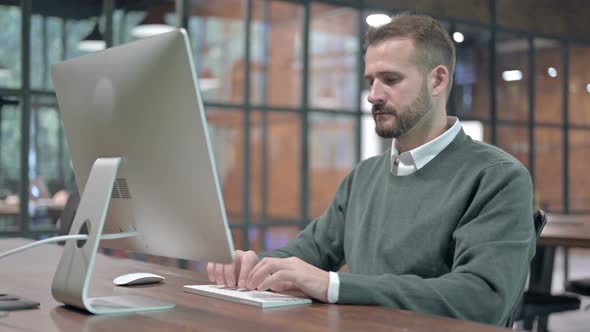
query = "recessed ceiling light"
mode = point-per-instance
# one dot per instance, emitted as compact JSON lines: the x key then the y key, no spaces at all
{"x":512,"y":75}
{"x":376,"y":20}
{"x":458,"y":37}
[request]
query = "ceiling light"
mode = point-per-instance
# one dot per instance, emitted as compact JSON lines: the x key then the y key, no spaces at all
{"x":588,"y":87}
{"x":458,"y":37}
{"x":552,"y":72}
{"x":376,"y":20}
{"x":512,"y":75}
{"x":93,"y":42}
{"x":152,"y":24}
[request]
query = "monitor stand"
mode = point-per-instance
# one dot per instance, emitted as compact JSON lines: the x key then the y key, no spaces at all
{"x":72,"y":277}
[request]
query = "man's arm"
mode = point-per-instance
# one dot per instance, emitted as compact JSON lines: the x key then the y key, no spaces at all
{"x":493,"y":245}
{"x":317,"y":249}
{"x":321,"y":242}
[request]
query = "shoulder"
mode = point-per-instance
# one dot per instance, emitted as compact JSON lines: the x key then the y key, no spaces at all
{"x":481,"y":157}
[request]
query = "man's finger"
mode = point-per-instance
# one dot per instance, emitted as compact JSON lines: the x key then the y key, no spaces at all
{"x":248,"y":262}
{"x":275,"y":279}
{"x":211,"y":271}
{"x":282,"y":286}
{"x":219,"y":278}
{"x":230,"y":275}
{"x":263,"y":269}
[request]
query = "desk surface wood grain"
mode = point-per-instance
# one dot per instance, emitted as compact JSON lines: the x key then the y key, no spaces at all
{"x":566,"y":231}
{"x":29,"y":274}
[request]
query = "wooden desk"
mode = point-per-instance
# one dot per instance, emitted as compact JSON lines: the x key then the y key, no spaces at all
{"x":29,"y":274}
{"x":566,"y":231}
{"x":9,"y":209}
{"x":44,"y":208}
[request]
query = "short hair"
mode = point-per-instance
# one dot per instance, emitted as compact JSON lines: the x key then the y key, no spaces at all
{"x":433,"y":45}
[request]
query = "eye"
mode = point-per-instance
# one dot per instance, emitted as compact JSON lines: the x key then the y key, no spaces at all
{"x":392,"y":80}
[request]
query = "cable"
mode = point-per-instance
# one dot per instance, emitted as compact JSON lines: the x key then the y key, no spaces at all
{"x":67,"y":237}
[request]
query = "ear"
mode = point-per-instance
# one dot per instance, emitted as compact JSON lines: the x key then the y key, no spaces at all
{"x":439,"y":77}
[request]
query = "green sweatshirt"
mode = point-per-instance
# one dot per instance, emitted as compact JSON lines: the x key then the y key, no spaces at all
{"x":453,"y":239}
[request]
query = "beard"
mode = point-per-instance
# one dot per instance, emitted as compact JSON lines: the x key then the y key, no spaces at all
{"x":405,"y":120}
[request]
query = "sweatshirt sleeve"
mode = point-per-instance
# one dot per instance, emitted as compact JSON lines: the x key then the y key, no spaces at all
{"x":493,"y":245}
{"x":321,"y":242}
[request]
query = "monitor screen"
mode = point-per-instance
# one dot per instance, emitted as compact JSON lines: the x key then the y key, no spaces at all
{"x":140,"y":102}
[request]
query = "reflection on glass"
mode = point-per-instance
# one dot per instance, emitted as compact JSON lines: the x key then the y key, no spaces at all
{"x":514,"y":140}
{"x":579,"y":181}
{"x":217,"y":37}
{"x":487,"y":133}
{"x":470,"y":96}
{"x":238,"y":238}
{"x":10,"y":141}
{"x":278,"y":236}
{"x":548,"y":81}
{"x":49,"y":144}
{"x":333,"y":50}
{"x":512,"y":77}
{"x":51,"y":178}
{"x":133,"y":21}
{"x":549,"y":169}
{"x":579,"y":86}
{"x":276,"y":61}
{"x":226,"y":131}
{"x":45,"y":49}
{"x":331,"y":157}
{"x":275,"y":166}
{"x":256,"y":238}
{"x":10,"y":39}
{"x":76,"y":32}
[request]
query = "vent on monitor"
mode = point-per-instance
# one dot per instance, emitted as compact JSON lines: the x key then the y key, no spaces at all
{"x":121,"y":189}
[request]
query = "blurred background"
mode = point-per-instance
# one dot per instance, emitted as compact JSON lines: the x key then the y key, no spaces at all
{"x":283,"y":87}
{"x":286,"y":101}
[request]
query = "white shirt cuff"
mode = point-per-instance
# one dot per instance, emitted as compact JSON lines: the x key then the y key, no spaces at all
{"x":333,"y":287}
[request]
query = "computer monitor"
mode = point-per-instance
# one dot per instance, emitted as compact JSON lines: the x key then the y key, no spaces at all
{"x":137,"y":134}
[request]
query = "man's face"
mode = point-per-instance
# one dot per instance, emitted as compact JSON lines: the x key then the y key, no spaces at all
{"x":399,"y":93}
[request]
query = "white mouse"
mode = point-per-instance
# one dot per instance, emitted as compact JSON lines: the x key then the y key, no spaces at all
{"x":140,"y":278}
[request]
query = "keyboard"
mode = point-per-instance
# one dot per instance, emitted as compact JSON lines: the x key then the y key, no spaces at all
{"x":260,"y":299}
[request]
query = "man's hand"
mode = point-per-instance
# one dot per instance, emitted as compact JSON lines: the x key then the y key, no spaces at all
{"x":281,"y":273}
{"x":226,"y":274}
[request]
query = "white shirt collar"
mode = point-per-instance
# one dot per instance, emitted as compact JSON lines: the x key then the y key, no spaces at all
{"x":411,"y":161}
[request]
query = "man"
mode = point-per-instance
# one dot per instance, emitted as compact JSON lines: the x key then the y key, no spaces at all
{"x":438,"y":224}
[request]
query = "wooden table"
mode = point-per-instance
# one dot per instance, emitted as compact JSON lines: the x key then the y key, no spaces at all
{"x":44,"y":208}
{"x":566,"y":231}
{"x":29,"y":274}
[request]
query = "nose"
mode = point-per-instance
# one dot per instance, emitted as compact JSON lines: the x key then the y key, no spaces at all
{"x":376,"y":95}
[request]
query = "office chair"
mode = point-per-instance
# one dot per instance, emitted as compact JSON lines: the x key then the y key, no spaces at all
{"x":538,"y":306}
{"x":579,"y":286}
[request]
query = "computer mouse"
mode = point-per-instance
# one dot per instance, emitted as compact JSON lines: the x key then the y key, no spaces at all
{"x":139,"y":278}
